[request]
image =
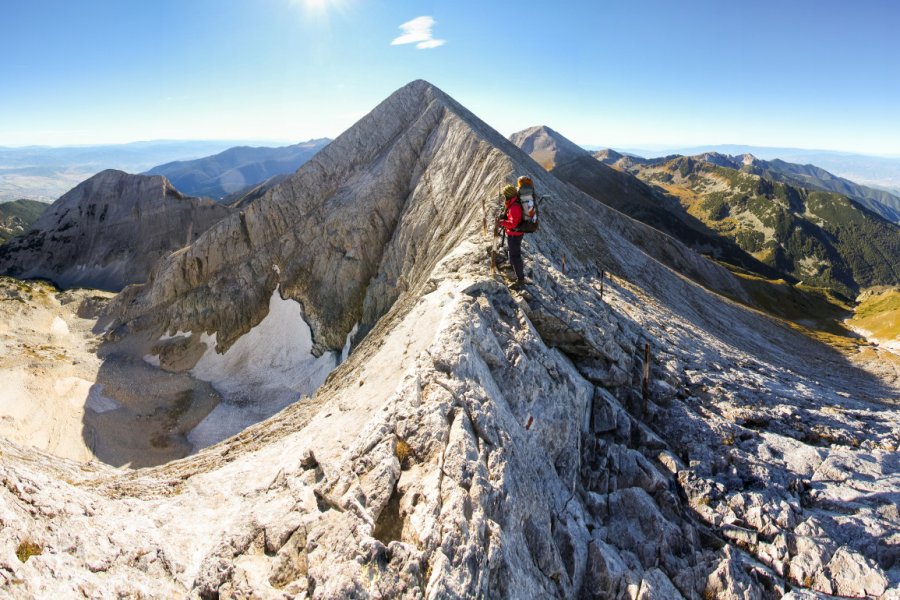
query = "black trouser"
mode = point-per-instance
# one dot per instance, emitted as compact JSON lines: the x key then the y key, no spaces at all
{"x":514,"y":242}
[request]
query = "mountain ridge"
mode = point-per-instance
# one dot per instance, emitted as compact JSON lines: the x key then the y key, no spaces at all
{"x":877,"y":172}
{"x":883,"y":203}
{"x":816,"y":236}
{"x":631,"y":196}
{"x":46,"y":172}
{"x":107,"y":232}
{"x":237,"y":168}
{"x":473,"y":441}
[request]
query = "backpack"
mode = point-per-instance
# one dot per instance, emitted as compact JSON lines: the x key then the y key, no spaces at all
{"x":528,"y":200}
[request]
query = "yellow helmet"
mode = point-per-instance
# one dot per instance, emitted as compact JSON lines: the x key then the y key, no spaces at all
{"x":509,"y":191}
{"x":524,"y":180}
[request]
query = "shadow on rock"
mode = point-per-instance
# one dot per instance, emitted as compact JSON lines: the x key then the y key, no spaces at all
{"x":139,"y":416}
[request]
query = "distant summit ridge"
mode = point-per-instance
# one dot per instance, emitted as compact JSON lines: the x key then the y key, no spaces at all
{"x":881,"y":202}
{"x":546,"y":146}
{"x":236,"y":169}
{"x":624,"y":192}
{"x":108,"y":231}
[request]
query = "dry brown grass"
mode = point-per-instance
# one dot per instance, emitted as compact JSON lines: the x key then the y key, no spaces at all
{"x":27,"y":549}
{"x":402,"y":451}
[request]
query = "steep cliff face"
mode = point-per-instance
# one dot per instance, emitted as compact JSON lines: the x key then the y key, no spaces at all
{"x":475,"y":442}
{"x":108,"y":231}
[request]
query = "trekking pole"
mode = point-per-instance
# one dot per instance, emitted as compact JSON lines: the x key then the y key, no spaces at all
{"x":494,"y":241}
{"x":483,"y":219}
{"x":645,"y":383}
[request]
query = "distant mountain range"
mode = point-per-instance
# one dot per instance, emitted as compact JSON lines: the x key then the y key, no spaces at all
{"x":887,"y":205}
{"x":882,"y":172}
{"x":629,"y":195}
{"x":769,"y":217}
{"x":236,"y":171}
{"x":17,"y":216}
{"x":809,"y":234}
{"x":46,"y":173}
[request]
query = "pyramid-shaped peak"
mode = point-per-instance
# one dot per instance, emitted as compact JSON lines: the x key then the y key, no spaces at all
{"x":608,"y":154}
{"x":548,"y":147}
{"x":540,"y":133}
{"x":420,"y":86}
{"x":419,"y":93}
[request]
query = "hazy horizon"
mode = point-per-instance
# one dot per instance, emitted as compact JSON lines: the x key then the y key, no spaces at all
{"x":654,"y":150}
{"x":799,"y":75}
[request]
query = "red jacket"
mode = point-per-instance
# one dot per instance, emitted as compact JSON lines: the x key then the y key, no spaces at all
{"x":513,"y":217}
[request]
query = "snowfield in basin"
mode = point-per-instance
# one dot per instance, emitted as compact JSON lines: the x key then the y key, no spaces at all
{"x":268,"y":368}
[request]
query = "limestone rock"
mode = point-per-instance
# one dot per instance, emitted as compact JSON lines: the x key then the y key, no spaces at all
{"x":108,"y":231}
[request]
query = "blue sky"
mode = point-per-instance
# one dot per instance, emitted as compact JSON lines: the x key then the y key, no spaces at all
{"x":655,"y":73}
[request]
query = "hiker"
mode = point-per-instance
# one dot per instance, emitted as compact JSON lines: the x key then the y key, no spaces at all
{"x":513,"y":235}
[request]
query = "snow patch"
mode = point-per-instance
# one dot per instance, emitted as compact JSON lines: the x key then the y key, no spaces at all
{"x":99,"y":403}
{"x":59,"y":328}
{"x":178,"y":334}
{"x":345,"y":353}
{"x":268,"y":368}
{"x":153,"y":359}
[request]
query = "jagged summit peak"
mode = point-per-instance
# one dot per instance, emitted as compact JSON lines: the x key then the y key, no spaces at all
{"x":608,"y":153}
{"x":405,"y":107}
{"x":337,"y":222}
{"x":538,"y":130}
{"x":547,"y":146}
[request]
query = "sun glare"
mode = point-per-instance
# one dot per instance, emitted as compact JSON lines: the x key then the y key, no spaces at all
{"x":319,"y":7}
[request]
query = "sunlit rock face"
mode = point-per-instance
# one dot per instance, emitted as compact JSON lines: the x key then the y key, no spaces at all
{"x":108,"y":231}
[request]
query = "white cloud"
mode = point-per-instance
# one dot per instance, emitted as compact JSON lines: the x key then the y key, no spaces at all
{"x":418,"y":32}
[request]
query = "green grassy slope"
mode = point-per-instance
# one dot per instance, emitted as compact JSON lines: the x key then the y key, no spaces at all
{"x":17,"y":216}
{"x":820,"y":238}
